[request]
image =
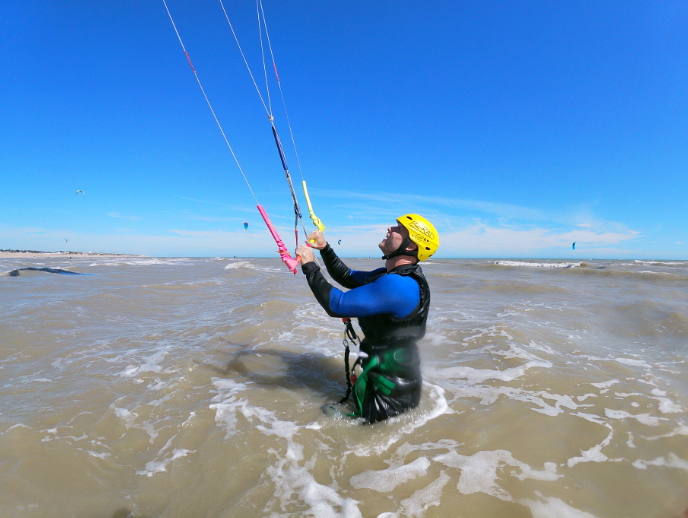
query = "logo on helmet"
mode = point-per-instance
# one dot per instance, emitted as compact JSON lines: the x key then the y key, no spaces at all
{"x":425,"y":231}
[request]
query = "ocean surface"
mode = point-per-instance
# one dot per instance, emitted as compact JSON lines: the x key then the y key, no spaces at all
{"x":182,"y":387}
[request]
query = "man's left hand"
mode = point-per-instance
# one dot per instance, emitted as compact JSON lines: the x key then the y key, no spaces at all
{"x":305,"y":254}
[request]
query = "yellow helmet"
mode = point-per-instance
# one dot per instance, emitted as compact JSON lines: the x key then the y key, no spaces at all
{"x":422,"y":233}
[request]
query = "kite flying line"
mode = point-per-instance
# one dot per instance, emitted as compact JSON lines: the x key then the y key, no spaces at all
{"x":262,"y":25}
{"x":284,"y":253}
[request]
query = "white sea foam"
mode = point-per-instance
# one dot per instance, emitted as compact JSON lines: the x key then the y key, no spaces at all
{"x":670,"y":461}
{"x":631,"y":361}
{"x":251,"y":266}
{"x":679,"y":430}
{"x":591,"y":417}
{"x":479,"y":471}
{"x":387,"y":479}
{"x":605,"y":384}
{"x":666,"y":405}
{"x":98,"y":455}
{"x":492,"y":331}
{"x":130,"y":418}
{"x":419,"y":502}
{"x":594,"y":454}
{"x":225,"y":403}
{"x":154,"y":467}
{"x":151,"y":364}
{"x":482,"y":375}
{"x":18,"y":425}
{"x":287,"y":474}
{"x":419,"y":417}
{"x":645,"y":419}
{"x":488,"y":395}
{"x":143,"y":261}
{"x":553,"y":508}
{"x":290,"y":478}
{"x":537,"y":265}
{"x":660,"y":263}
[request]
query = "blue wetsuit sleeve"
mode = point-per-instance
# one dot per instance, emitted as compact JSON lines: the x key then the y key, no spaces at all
{"x":390,"y":294}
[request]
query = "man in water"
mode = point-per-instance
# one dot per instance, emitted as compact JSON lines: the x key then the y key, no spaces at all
{"x":391,"y":305}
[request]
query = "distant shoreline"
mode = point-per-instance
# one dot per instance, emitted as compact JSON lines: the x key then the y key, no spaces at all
{"x":37,"y":254}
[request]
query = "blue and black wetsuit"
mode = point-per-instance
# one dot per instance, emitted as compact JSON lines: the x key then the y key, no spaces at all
{"x":392,"y":308}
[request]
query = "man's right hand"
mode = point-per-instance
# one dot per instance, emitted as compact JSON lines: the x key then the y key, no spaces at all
{"x":317,"y":240}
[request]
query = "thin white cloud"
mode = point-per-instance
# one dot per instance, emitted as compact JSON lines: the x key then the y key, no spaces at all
{"x":497,"y":209}
{"x":481,"y":238}
{"x":219,"y":204}
{"x":121,"y":216}
{"x":198,"y":217}
{"x":201,"y":233}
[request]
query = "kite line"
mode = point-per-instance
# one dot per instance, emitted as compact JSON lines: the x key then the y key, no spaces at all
{"x":262,"y":26}
{"x":282,"y":249}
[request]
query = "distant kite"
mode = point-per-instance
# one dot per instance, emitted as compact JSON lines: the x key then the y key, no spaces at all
{"x":245,"y":226}
{"x":573,"y":245}
{"x":339,"y":242}
{"x":79,"y":191}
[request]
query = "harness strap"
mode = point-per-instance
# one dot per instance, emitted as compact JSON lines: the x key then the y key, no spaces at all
{"x":349,"y":336}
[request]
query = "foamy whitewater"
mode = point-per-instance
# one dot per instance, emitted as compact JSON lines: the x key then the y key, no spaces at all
{"x":193,"y":388}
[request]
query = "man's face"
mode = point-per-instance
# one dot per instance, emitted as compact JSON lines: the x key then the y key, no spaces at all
{"x":395,"y":236}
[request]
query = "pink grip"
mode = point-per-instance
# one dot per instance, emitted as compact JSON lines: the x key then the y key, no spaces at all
{"x":283,"y":252}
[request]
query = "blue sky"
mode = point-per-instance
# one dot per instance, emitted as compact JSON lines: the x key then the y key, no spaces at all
{"x":516,"y":127}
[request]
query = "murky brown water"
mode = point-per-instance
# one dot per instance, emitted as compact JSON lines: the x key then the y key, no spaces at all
{"x":193,"y":387}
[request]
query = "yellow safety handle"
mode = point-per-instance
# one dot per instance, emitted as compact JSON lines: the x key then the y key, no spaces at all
{"x":316,"y":221}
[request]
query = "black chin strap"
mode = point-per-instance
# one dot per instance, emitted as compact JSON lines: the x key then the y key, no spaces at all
{"x":402,"y":250}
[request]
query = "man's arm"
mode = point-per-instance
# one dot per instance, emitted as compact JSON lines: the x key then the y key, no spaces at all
{"x":391,"y":294}
{"x":319,"y":286}
{"x":340,"y":272}
{"x":337,"y":269}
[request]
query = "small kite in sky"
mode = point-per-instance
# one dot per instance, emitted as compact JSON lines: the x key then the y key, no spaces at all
{"x":79,"y":191}
{"x":573,"y":245}
{"x":339,"y":242}
{"x":245,"y":226}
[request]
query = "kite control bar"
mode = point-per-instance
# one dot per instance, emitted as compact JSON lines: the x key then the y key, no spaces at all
{"x":314,"y":218}
{"x":283,"y":252}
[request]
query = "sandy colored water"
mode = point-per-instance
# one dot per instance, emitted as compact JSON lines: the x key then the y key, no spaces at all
{"x":192,"y":387}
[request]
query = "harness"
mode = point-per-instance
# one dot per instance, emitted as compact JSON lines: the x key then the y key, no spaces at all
{"x":389,"y":342}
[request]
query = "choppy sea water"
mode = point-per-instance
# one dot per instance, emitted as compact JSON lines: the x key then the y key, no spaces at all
{"x":193,"y":387}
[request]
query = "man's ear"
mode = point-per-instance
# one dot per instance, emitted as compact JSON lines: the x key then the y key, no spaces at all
{"x":412,"y":247}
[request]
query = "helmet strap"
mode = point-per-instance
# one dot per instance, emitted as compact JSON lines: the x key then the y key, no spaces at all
{"x":402,"y":250}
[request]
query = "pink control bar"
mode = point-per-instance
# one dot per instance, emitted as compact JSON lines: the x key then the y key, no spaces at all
{"x":283,"y":252}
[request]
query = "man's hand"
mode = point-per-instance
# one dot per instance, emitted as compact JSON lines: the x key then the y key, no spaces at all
{"x":317,"y":240}
{"x":305,"y":253}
